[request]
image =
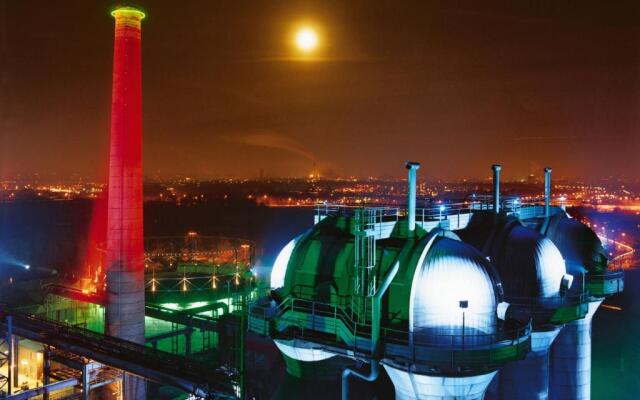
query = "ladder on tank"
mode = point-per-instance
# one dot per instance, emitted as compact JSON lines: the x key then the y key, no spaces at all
{"x":364,"y":285}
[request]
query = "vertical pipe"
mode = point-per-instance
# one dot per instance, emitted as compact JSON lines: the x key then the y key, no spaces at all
{"x":124,"y":314}
{"x":376,"y":311}
{"x":86,"y":377}
{"x":15,"y":346}
{"x":547,"y":191}
{"x":496,"y":187}
{"x":412,"y":167}
{"x":9,"y":353}
{"x":46,"y":371}
{"x":528,"y":379}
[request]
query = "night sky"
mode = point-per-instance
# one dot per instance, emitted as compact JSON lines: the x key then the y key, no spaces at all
{"x":452,"y":84}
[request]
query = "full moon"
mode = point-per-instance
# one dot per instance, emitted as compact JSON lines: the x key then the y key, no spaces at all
{"x":306,"y":39}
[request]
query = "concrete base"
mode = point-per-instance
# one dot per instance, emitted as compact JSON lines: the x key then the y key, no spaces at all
{"x":570,"y":377}
{"x":410,"y":386}
{"x":527,"y":379}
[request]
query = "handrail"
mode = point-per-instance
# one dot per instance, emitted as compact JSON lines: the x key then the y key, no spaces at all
{"x":435,"y":212}
{"x":389,"y":335}
{"x":549,"y":302}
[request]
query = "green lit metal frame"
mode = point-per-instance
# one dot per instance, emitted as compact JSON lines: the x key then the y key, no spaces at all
{"x":556,"y":310}
{"x":607,"y":284}
{"x":331,"y":243}
{"x":316,"y":305}
{"x":330,"y":326}
{"x":569,"y":313}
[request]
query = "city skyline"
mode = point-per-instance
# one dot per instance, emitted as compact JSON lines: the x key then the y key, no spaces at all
{"x":226,"y":95}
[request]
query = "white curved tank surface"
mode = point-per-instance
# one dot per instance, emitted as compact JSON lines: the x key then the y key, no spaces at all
{"x":306,"y":354}
{"x":530,"y":265}
{"x":453,"y":303}
{"x":571,"y":351}
{"x":279,"y":269}
{"x":551,"y":267}
{"x":531,"y":268}
{"x":453,"y":291}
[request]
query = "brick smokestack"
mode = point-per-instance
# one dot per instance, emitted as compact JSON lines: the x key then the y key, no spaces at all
{"x":125,"y":252}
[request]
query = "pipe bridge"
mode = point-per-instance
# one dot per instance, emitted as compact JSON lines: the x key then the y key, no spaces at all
{"x":192,"y":376}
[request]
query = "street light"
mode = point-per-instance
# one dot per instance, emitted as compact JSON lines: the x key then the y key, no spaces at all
{"x":463,"y":304}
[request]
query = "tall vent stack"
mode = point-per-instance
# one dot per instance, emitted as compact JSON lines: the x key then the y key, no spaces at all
{"x":125,"y":249}
{"x":412,"y":168}
{"x":547,"y":191}
{"x":496,"y":187}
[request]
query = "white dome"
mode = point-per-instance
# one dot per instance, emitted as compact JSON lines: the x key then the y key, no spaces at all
{"x":279,"y":269}
{"x":530,"y":265}
{"x":452,"y":279}
{"x":551,"y":268}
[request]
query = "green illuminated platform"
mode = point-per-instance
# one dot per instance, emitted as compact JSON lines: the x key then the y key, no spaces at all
{"x":301,"y":321}
{"x":606,"y":284}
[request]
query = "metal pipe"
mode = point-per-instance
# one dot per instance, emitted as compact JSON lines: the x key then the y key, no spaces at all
{"x":376,"y":307}
{"x":9,"y":353}
{"x":86,"y":381}
{"x":496,"y":187}
{"x":411,"y":196}
{"x":15,"y":346}
{"x":46,"y":370}
{"x":547,"y":191}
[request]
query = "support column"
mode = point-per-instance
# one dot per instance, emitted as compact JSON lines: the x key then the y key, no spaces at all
{"x":10,"y":363}
{"x":529,"y":379}
{"x":46,"y":371}
{"x":571,"y":360}
{"x":15,"y":362}
{"x":86,"y":379}
{"x":187,"y":342}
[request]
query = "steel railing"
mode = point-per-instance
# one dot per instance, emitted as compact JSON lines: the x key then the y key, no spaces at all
{"x":434,"y":212}
{"x":299,"y":318}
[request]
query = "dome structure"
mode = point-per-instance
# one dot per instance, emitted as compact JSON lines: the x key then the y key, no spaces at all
{"x":437,"y":295}
{"x":529,"y":264}
{"x":370,"y":284}
{"x":279,"y":269}
{"x":579,"y":245}
{"x":453,"y":290}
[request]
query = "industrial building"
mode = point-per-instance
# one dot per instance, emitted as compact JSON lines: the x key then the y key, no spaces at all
{"x":488,"y":298}
{"x":455,"y":301}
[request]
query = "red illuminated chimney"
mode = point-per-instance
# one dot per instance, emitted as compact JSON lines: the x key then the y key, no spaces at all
{"x":125,"y":252}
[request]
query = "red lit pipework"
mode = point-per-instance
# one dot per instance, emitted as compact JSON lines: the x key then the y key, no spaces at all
{"x":125,"y":252}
